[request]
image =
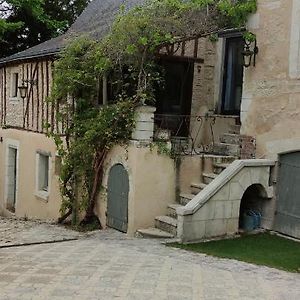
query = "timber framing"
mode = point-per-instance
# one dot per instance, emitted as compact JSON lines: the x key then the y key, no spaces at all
{"x":33,"y":112}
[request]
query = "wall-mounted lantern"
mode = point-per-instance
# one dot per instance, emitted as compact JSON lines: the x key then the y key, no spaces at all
{"x":249,"y":53}
{"x":30,"y":81}
{"x":23,"y":90}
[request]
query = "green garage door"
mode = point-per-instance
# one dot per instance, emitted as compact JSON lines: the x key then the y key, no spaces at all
{"x":287,"y":219}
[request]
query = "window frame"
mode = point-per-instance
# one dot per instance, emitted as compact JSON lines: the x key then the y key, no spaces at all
{"x":14,"y":144}
{"x":14,"y":84}
{"x":42,"y":193}
{"x":228,"y":42}
{"x":224,"y":36}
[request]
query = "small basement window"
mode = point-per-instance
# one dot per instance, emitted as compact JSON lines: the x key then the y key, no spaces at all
{"x":43,"y":174}
{"x":14,"y":85}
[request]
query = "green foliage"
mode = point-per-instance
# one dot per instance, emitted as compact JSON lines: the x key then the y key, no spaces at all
{"x":8,"y":27}
{"x":213,"y":37}
{"x":249,"y":36}
{"x":128,"y":58}
{"x":25,"y":23}
{"x":162,"y":148}
{"x":237,"y":11}
{"x":75,"y":71}
{"x":94,"y":132}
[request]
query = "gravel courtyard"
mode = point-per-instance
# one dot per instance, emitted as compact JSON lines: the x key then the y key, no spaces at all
{"x":109,"y":265}
{"x":18,"y":232}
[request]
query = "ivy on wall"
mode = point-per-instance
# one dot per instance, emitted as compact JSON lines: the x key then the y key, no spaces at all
{"x":127,"y":56}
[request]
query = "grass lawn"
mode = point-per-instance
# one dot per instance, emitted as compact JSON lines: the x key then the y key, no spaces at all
{"x":261,"y":249}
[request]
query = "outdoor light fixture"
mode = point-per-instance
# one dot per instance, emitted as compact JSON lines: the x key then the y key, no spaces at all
{"x":23,"y":90}
{"x":30,"y":81}
{"x":249,"y":55}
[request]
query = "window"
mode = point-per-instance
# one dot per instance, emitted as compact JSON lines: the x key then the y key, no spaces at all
{"x":43,"y":174}
{"x":294,"y":59}
{"x":11,"y":174}
{"x":233,"y":76}
{"x":14,"y":85}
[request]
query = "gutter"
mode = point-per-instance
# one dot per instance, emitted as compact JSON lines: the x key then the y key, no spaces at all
{"x":7,"y":61}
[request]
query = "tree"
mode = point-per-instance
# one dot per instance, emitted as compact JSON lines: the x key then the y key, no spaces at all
{"x":26,"y":23}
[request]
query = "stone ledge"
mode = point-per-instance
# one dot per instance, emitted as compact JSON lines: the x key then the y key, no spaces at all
{"x":210,"y":190}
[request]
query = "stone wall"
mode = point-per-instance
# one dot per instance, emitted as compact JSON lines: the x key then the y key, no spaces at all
{"x":215,"y":210}
{"x":203,"y":88}
{"x":271,"y":93}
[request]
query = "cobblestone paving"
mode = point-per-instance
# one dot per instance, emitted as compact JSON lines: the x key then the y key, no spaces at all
{"x":16,"y":231}
{"x":109,"y":265}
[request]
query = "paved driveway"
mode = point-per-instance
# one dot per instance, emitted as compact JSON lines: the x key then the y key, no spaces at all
{"x":108,"y":265}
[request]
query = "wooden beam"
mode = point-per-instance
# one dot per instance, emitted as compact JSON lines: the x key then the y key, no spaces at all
{"x":181,"y":58}
{"x":47,"y":92}
{"x":37,"y":98}
{"x":5,"y":98}
{"x":196,"y":43}
{"x":42,"y":95}
{"x":183,"y":48}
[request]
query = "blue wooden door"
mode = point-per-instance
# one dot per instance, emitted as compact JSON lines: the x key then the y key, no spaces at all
{"x":117,"y":205}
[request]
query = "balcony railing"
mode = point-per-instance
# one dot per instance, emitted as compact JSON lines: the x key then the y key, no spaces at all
{"x":191,"y":135}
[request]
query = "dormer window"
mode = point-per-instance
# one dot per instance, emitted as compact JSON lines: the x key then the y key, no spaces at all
{"x":14,"y":85}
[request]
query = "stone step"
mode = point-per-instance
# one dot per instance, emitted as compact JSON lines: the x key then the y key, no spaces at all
{"x":196,"y":188}
{"x":172,"y":209}
{"x":219,"y":168}
{"x":186,"y":198}
{"x":154,"y":233}
{"x":223,"y":159}
{"x":166,"y":223}
{"x":209,"y":177}
{"x":230,"y":138}
{"x":227,"y":149}
{"x":235,"y":129}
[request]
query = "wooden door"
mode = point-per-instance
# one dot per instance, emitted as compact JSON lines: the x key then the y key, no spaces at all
{"x":117,"y":206}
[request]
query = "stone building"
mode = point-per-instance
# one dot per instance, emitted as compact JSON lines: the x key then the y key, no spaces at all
{"x":233,"y":125}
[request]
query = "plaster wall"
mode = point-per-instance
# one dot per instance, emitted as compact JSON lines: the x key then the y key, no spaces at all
{"x":271,"y":92}
{"x":152,"y":179}
{"x":29,"y":203}
{"x":190,"y":171}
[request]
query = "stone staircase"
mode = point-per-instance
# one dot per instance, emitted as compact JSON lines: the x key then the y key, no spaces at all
{"x":225,"y":152}
{"x":229,"y":143}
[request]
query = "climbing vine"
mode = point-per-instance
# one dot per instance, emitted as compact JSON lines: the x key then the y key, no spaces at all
{"x":127,"y":59}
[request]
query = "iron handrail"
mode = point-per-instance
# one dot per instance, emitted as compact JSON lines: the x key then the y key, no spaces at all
{"x":187,"y":133}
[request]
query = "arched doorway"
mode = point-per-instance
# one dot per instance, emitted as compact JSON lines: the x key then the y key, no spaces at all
{"x":252,"y":207}
{"x":117,"y":198}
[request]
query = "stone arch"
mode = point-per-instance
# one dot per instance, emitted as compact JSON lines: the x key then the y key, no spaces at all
{"x":253,"y":201}
{"x":117,"y":155}
{"x":251,"y":180}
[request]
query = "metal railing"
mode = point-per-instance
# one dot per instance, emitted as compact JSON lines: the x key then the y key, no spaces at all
{"x":189,"y":135}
